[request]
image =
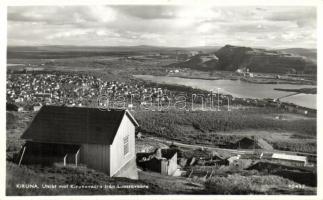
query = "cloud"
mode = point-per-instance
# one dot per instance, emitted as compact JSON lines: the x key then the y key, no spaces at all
{"x":162,"y":25}
{"x":291,"y":14}
{"x":62,"y":14}
{"x":303,"y":17}
{"x":102,"y":13}
{"x":148,"y":12}
{"x":66,"y":34}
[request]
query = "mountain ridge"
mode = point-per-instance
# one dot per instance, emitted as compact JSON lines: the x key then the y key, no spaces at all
{"x":231,"y":58}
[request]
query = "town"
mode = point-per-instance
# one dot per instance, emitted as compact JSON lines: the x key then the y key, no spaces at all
{"x":31,"y":90}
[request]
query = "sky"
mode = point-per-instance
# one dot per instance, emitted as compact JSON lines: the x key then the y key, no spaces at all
{"x":167,"y":25}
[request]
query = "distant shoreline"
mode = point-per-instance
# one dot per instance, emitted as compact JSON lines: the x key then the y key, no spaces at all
{"x":195,"y":77}
{"x":301,"y":90}
{"x":243,"y":79}
{"x":277,"y":82}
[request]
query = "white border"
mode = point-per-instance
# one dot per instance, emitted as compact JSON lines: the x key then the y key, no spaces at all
{"x":166,"y":2}
{"x":3,"y":47}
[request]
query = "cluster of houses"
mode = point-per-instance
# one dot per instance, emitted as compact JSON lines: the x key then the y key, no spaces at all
{"x":302,"y":78}
{"x":30,"y":91}
{"x":45,"y":88}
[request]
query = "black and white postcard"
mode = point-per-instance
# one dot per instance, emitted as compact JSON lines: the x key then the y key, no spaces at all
{"x":199,"y":99}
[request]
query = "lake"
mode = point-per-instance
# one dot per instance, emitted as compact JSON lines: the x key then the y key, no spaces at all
{"x":240,"y":89}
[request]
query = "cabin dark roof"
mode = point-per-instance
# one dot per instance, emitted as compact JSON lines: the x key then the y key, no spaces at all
{"x":168,"y":153}
{"x":75,"y":125}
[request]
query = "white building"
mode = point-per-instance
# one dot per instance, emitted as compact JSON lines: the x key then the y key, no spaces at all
{"x":285,"y":158}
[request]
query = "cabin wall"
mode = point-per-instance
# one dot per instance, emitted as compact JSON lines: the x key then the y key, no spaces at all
{"x":117,"y":157}
{"x":154,"y":164}
{"x":172,"y":165}
{"x":96,"y":156}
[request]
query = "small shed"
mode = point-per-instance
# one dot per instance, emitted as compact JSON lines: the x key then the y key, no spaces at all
{"x":163,"y":161}
{"x":102,"y":140}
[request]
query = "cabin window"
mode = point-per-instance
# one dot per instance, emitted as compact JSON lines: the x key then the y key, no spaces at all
{"x":126,"y":145}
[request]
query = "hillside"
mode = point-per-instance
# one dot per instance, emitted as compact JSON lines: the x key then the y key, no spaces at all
{"x":230,"y":58}
{"x":310,"y":54}
{"x":199,"y":62}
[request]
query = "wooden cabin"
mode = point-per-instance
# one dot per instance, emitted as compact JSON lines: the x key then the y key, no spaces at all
{"x":102,"y":140}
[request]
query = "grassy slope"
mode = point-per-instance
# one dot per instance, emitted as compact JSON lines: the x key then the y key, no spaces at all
{"x":204,"y":126}
{"x":157,"y":185}
{"x":254,"y":184}
{"x":59,"y":175}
